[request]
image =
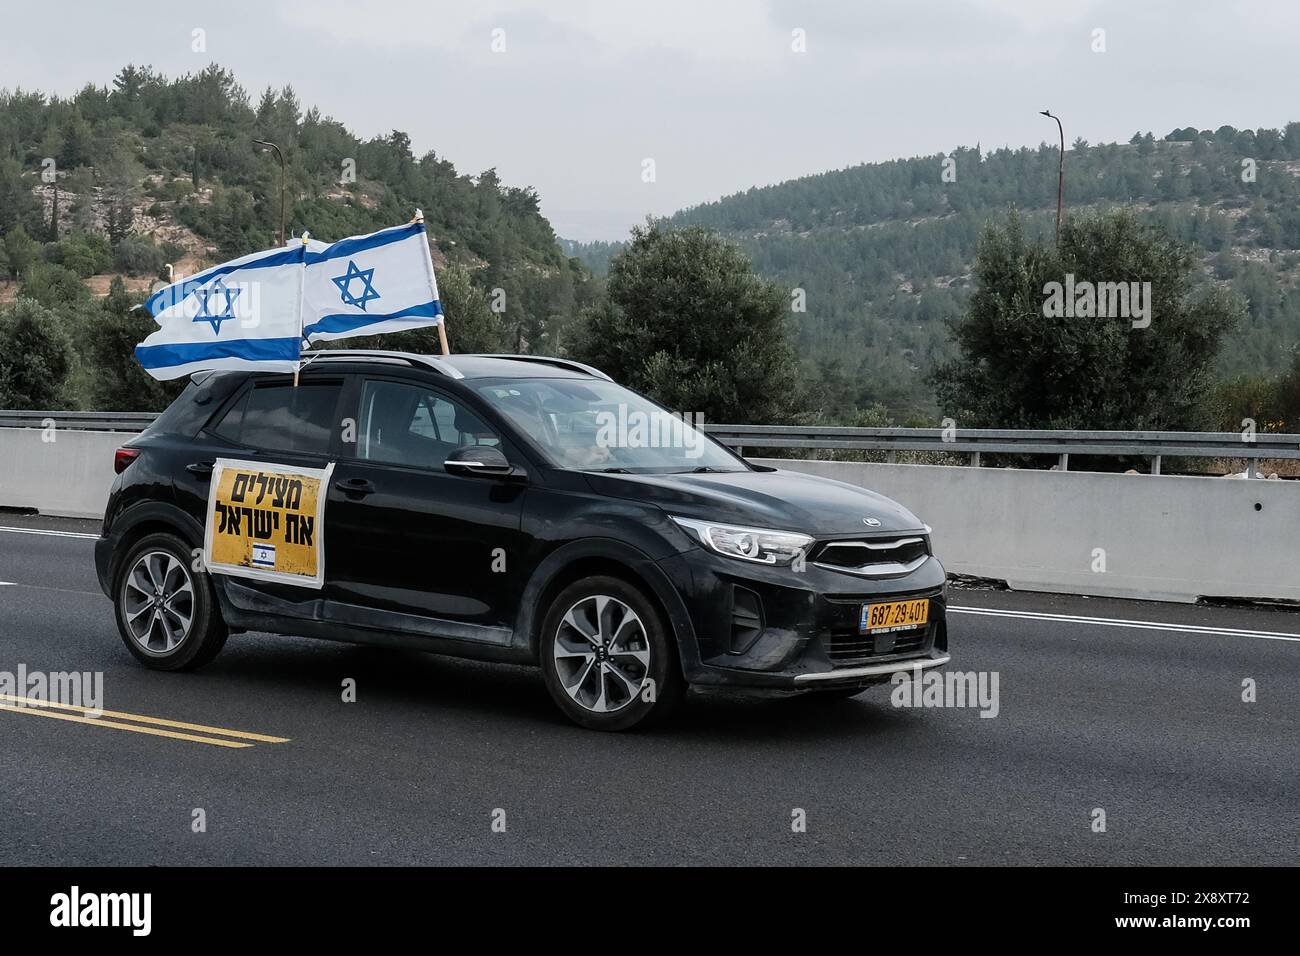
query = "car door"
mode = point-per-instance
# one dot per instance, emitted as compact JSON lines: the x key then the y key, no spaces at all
{"x":415,"y":548}
{"x":272,"y":420}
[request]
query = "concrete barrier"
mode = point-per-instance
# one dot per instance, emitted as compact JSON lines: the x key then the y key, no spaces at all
{"x":1164,"y":538}
{"x":58,"y":472}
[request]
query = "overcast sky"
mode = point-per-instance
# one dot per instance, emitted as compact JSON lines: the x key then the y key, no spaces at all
{"x":586,"y":90}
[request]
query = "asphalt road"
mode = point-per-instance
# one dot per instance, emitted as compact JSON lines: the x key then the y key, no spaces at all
{"x":1144,"y":722}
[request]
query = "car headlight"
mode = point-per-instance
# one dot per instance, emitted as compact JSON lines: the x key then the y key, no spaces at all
{"x":747,"y":544}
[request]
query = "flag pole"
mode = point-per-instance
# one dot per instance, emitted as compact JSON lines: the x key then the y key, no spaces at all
{"x":433,"y":285}
{"x":302,"y":284}
{"x":442,"y":335}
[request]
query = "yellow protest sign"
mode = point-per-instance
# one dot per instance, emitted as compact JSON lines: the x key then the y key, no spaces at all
{"x":267,"y":521}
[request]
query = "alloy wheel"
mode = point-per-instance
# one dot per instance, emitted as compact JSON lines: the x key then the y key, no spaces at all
{"x":158,"y":602}
{"x":602,"y":654}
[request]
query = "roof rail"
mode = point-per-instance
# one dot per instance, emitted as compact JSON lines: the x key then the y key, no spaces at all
{"x":547,"y":360}
{"x":427,"y":361}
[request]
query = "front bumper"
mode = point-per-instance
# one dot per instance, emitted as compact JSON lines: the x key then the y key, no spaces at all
{"x":771,"y":629}
{"x":850,"y":676}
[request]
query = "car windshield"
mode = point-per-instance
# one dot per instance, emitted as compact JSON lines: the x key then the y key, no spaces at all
{"x":594,"y":425}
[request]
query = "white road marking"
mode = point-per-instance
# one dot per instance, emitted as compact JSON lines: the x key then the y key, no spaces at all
{"x":8,"y":584}
{"x":52,"y":534}
{"x":1121,"y":622}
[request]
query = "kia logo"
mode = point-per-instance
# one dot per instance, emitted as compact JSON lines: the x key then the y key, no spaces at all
{"x":871,"y":522}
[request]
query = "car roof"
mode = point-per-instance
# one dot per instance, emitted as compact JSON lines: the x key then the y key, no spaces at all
{"x":451,"y":366}
{"x":462,"y":366}
{"x":510,"y":366}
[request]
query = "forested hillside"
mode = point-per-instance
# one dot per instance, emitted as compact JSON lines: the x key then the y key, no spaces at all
{"x":884,"y":250}
{"x":100,"y":190}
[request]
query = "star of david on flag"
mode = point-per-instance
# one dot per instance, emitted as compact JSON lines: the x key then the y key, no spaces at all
{"x":226,"y":309}
{"x":365,"y":285}
{"x":344,"y":282}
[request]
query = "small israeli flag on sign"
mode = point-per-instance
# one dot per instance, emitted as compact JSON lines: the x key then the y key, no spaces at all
{"x":365,"y":285}
{"x":243,"y":314}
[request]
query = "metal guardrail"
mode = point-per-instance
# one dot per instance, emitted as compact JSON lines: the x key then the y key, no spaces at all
{"x":977,"y":441}
{"x":78,"y":421}
{"x":972,"y":442}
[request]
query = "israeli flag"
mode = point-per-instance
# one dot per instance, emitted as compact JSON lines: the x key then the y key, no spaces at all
{"x":243,"y":314}
{"x":365,"y":285}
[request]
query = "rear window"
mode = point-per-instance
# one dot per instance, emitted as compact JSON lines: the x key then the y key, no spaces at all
{"x":280,"y":417}
{"x":193,"y":406}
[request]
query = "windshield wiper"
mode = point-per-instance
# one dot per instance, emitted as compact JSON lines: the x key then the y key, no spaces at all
{"x":710,"y":470}
{"x":611,"y":471}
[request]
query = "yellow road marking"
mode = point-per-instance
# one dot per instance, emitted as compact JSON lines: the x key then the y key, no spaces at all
{"x":115,"y":726}
{"x":42,"y":708}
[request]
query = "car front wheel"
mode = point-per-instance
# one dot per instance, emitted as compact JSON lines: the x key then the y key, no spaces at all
{"x":608,"y":657}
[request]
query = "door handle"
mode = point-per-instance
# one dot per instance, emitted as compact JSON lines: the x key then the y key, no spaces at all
{"x":203,"y":468}
{"x":355,"y":486}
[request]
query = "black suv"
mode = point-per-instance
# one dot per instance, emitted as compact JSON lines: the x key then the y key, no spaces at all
{"x":527,"y":510}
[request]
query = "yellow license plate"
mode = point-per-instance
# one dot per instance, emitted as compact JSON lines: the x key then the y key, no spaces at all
{"x":894,"y":616}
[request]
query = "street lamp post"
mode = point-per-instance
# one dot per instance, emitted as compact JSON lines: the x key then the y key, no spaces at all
{"x":283,"y":187}
{"x":1060,"y":174}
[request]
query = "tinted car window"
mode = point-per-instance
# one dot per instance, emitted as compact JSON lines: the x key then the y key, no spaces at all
{"x":204,"y":393}
{"x":229,"y":425}
{"x":410,"y":425}
{"x":284,"y":418}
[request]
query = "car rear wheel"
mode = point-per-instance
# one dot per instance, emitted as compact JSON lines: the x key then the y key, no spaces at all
{"x":608,"y":657}
{"x":166,"y":611}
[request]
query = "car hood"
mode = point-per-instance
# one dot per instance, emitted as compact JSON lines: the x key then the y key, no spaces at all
{"x":778,"y":500}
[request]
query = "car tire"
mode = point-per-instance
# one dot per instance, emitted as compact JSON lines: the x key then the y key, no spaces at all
{"x":602,"y":644}
{"x":166,"y":611}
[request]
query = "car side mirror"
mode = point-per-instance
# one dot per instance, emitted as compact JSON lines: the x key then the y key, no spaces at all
{"x":481,"y":461}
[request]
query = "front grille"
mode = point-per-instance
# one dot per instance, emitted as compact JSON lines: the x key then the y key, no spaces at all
{"x":873,"y":556}
{"x":849,"y":649}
